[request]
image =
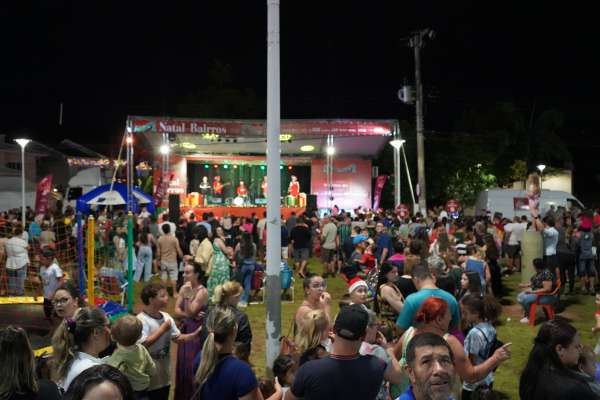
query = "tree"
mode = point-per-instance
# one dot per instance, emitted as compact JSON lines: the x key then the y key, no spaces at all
{"x":220,"y":99}
{"x":465,"y":184}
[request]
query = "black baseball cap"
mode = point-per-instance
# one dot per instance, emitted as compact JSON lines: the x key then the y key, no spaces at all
{"x":351,"y":322}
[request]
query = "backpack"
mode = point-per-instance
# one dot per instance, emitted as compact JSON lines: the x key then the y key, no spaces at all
{"x":492,"y":345}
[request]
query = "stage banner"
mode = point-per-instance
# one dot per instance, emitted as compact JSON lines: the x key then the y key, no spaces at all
{"x":351,"y":183}
{"x":379,"y":184}
{"x":250,"y":128}
{"x":42,"y":194}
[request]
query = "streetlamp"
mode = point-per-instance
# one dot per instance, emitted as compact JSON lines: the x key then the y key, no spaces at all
{"x":541,"y":167}
{"x":23,"y":143}
{"x":397,"y":145}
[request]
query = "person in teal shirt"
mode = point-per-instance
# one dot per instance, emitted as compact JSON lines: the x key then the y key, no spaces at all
{"x":426,"y":287}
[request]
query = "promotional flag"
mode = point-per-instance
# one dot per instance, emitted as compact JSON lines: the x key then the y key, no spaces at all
{"x":42,"y":194}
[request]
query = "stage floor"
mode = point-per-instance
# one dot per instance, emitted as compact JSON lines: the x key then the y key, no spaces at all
{"x":219,"y":211}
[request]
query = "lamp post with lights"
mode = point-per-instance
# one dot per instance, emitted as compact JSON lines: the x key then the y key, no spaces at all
{"x":541,"y":168}
{"x":22,"y":143}
{"x":397,"y":145}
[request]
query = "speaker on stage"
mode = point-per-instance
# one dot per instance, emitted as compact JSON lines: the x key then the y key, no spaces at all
{"x":311,"y":201}
{"x":174,"y":208}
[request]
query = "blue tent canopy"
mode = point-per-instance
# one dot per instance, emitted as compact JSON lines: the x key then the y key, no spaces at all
{"x":104,"y":196}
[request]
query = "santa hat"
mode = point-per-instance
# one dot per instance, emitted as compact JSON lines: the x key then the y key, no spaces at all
{"x":355,"y":283}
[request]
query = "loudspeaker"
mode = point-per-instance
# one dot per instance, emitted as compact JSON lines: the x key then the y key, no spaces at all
{"x":174,"y":208}
{"x":311,"y":201}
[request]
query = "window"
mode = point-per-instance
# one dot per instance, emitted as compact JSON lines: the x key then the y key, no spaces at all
{"x":14,"y":165}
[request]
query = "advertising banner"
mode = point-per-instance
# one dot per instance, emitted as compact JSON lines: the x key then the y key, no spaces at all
{"x":379,"y":184}
{"x":42,"y":194}
{"x":351,"y":183}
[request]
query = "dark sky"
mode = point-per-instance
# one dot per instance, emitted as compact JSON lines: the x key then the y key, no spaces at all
{"x":107,"y":59}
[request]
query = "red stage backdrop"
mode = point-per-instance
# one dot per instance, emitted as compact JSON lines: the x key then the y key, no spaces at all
{"x":351,"y":183}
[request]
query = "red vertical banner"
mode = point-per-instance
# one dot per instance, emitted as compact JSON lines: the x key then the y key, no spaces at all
{"x":42,"y":194}
{"x":379,"y":184}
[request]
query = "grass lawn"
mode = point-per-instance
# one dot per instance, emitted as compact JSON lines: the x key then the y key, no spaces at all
{"x":579,"y":309}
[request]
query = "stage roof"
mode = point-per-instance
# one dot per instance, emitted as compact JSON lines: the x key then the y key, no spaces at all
{"x":195,"y":137}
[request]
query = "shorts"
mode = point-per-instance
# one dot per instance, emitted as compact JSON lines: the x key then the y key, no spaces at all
{"x":168,"y":271}
{"x":49,"y":308}
{"x":513,"y":250}
{"x":586,"y":267}
{"x":300,"y":255}
{"x":328,"y":255}
{"x":284,"y":253}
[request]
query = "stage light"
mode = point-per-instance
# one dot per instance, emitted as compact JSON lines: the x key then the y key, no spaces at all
{"x":262,"y":167}
{"x":164,"y":149}
{"x":226,"y":166}
{"x":129,"y":140}
{"x":290,"y":167}
{"x":206,"y":166}
{"x":307,"y":147}
{"x":330,"y":150}
{"x":235,"y":166}
{"x":216,"y":166}
{"x":285,"y":137}
{"x":281,"y":167}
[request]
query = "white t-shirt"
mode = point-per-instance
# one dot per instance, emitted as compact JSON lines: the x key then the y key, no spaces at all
{"x":159,"y":351}
{"x":16,"y":253}
{"x":81,"y":362}
{"x":51,"y":279}
{"x":260,"y":226}
{"x":516,"y":230}
{"x":161,"y":347}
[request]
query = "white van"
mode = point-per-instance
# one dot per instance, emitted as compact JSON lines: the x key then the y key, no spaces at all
{"x":84,"y":181}
{"x":511,"y":202}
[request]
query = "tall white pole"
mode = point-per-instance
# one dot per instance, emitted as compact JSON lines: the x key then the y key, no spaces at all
{"x":23,"y":186}
{"x":273,"y":284}
{"x":22,"y":143}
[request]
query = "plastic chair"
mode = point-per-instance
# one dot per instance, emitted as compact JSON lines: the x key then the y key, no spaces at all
{"x":548,"y":308}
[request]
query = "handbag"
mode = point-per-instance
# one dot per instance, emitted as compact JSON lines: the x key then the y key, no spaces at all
{"x":287,"y":346}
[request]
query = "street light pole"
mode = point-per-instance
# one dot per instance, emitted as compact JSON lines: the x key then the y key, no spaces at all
{"x":397,"y":145}
{"x":541,"y":168}
{"x":23,"y":143}
{"x":416,"y":42}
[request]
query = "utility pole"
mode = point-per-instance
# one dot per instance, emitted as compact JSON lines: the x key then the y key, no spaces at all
{"x":273,"y":283}
{"x":416,"y":42}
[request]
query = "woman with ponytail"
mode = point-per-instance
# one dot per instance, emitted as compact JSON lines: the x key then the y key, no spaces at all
{"x":480,"y":313}
{"x":218,"y":366}
{"x":77,"y":344}
{"x":434,"y":317}
{"x":549,"y":372}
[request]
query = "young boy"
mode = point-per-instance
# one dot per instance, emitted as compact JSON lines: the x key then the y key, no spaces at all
{"x":52,"y":277}
{"x":158,"y":331}
{"x":130,"y":357}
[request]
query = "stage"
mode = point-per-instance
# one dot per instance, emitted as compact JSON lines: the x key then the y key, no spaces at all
{"x":219,"y":211}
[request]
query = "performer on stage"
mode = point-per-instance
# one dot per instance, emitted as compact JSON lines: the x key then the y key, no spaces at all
{"x":294,"y":188}
{"x":204,"y":190}
{"x":217,"y":187}
{"x":263,"y":187}
{"x":242,"y":191}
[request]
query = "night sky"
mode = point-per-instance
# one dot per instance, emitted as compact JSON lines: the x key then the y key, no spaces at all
{"x":107,"y":59}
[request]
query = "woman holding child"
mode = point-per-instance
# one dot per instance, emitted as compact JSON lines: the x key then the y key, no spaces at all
{"x":190,"y":308}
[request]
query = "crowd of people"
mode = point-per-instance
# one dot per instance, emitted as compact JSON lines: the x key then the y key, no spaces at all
{"x":418,"y":320}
